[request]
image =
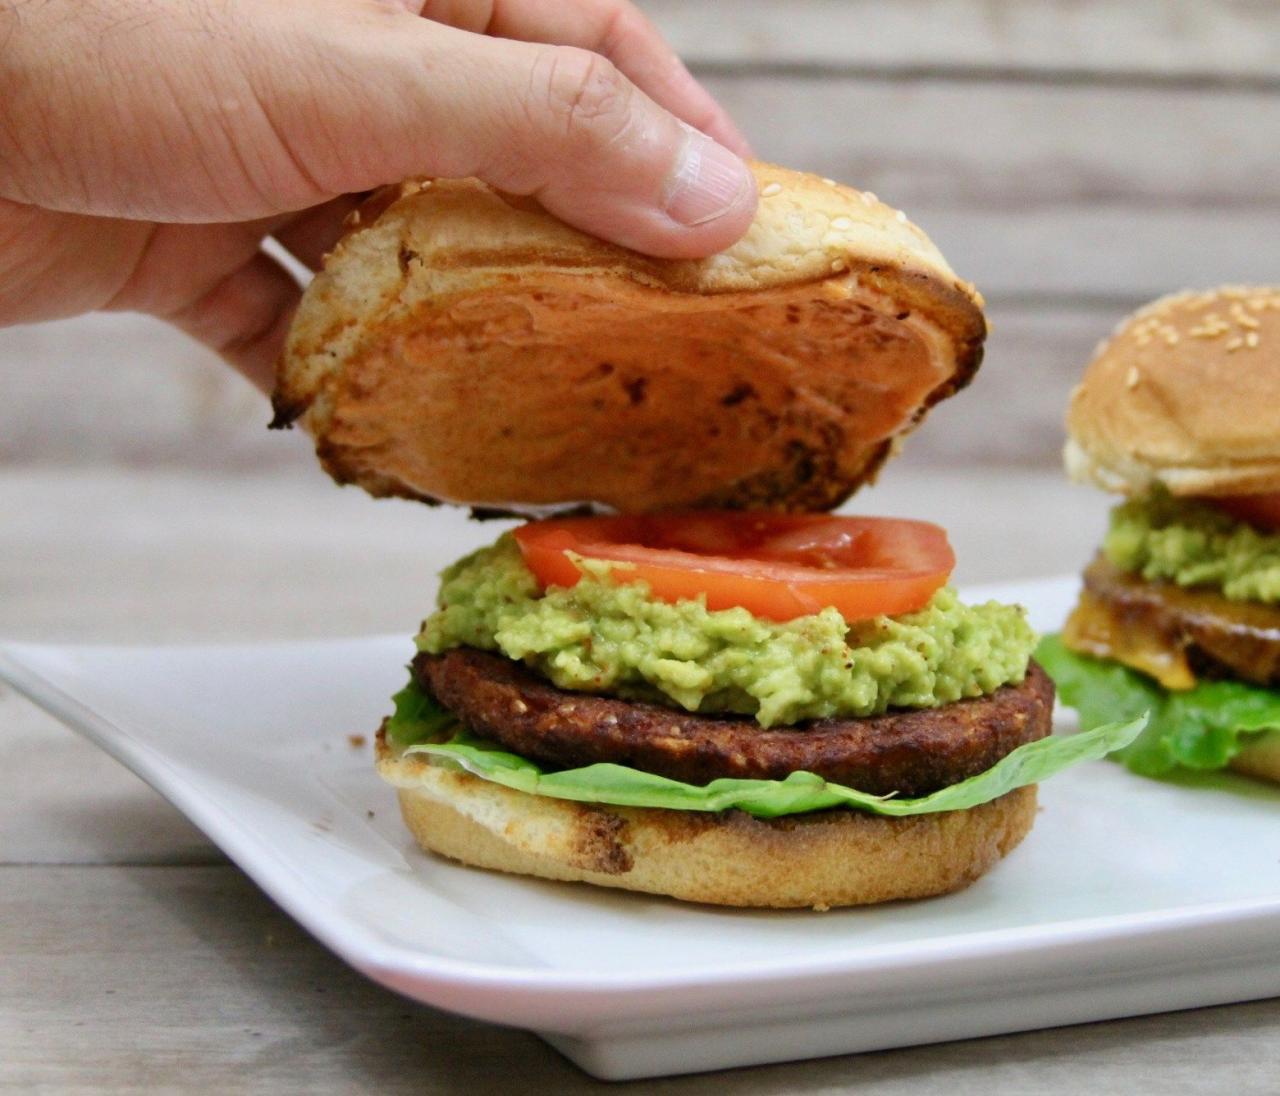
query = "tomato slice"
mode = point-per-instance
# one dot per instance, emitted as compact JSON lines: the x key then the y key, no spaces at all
{"x":1262,"y":511}
{"x":777,"y":566}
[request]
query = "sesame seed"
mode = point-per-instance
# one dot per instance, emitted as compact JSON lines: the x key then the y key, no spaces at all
{"x":1251,"y":340}
{"x":1131,"y":378}
{"x":1248,"y":321}
{"x":838,"y":266}
{"x":770,"y":190}
{"x":900,"y":217}
{"x":1234,"y":344}
{"x":829,"y":182}
{"x":842,"y":223}
{"x":869,"y":197}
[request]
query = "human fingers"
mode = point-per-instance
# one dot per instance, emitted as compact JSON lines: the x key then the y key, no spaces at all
{"x":614,"y":29}
{"x":288,"y":105}
{"x":245,"y":317}
{"x":566,"y":126}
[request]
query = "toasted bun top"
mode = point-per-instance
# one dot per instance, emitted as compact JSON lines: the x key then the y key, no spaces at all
{"x":1185,"y":395}
{"x":462,"y":347}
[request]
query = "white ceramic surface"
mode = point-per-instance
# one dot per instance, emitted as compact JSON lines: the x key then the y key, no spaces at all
{"x":1130,"y":896}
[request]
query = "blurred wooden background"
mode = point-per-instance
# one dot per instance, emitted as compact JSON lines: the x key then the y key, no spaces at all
{"x":1073,"y":159}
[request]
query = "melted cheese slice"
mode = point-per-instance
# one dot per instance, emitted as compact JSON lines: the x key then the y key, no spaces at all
{"x":1096,"y":628}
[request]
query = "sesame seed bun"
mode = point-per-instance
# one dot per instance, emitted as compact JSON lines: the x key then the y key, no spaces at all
{"x":1186,"y":396}
{"x":820,"y":860}
{"x":462,"y":347}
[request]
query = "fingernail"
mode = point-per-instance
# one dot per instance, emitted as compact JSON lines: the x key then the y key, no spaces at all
{"x":707,"y":182}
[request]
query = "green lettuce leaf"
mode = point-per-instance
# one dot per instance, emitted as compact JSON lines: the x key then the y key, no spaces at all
{"x":1200,"y":728}
{"x":418,"y":717}
{"x":623,"y":786}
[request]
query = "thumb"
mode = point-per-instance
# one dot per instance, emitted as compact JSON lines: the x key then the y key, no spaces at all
{"x":600,"y":154}
{"x":558,"y":123}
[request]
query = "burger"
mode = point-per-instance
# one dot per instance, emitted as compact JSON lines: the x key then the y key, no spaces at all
{"x":684,"y":677}
{"x":1179,"y":614}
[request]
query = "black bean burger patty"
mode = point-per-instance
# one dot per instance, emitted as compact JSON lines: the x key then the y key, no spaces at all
{"x":910,"y":752}
{"x":1220,"y":637}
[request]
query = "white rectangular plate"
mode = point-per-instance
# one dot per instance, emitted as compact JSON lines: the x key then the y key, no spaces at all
{"x":1130,"y":896}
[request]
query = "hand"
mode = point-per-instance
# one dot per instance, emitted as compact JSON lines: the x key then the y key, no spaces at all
{"x":148,"y":147}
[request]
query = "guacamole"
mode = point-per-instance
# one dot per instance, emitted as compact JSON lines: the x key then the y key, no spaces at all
{"x":603,"y":636}
{"x":1191,"y":544}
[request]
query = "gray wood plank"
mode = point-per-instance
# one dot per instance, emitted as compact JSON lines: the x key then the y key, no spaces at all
{"x":113,"y":555}
{"x":123,"y":980}
{"x":1104,"y":253}
{"x":1226,"y":40}
{"x":1021,"y":147}
{"x":184,"y":411}
{"x":127,"y":387}
{"x":136,"y":555}
{"x":1047,"y":192}
{"x":1012,"y":414}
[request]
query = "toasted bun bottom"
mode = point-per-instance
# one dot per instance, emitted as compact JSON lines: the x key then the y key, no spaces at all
{"x":820,"y":860}
{"x":1261,"y":758}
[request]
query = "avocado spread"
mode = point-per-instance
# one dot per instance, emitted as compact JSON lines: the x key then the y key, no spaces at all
{"x":603,"y":636}
{"x":1191,"y":544}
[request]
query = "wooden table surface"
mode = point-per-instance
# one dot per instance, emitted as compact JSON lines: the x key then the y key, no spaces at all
{"x":135,"y":956}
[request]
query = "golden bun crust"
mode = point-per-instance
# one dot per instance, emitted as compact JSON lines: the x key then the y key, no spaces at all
{"x":462,"y":347}
{"x":1261,"y":758}
{"x":1185,"y":395}
{"x":820,"y":860}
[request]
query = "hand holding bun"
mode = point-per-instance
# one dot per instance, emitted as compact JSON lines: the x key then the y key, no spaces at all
{"x":149,"y":146}
{"x":465,"y":348}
